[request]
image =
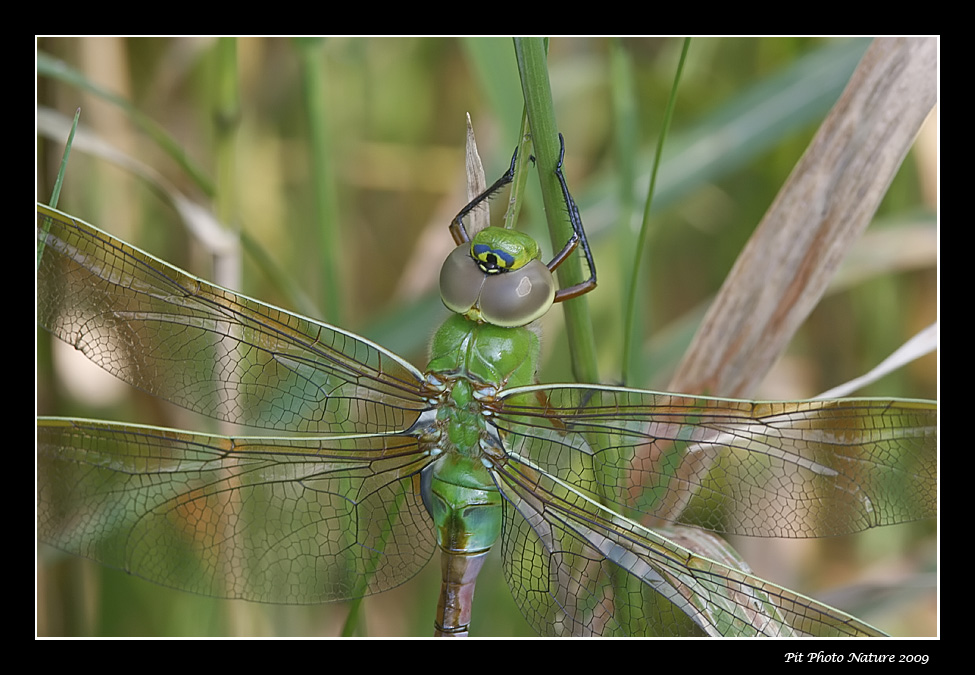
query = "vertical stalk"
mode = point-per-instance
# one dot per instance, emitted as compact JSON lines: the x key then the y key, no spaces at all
{"x":625,"y":142}
{"x":533,"y":69}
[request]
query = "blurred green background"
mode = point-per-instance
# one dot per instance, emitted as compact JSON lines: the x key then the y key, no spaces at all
{"x":364,"y":138}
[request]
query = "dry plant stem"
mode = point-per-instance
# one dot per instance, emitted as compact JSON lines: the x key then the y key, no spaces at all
{"x":476,"y":182}
{"x":827,"y":202}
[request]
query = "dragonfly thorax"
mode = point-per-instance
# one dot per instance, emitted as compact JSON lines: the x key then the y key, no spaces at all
{"x":484,"y":353}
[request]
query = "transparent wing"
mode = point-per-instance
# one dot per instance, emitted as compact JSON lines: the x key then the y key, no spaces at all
{"x":209,"y":349}
{"x":799,"y":469}
{"x":286,"y":520}
{"x":577,"y":568}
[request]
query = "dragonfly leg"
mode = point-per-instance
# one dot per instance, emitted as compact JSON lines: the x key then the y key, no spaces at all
{"x":457,"y":228}
{"x":578,"y":239}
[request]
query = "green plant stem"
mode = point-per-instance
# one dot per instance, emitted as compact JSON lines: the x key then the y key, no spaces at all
{"x":533,"y":69}
{"x":626,"y":142}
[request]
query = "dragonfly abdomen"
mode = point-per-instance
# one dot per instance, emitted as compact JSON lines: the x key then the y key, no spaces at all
{"x":465,"y":505}
{"x":470,"y":361}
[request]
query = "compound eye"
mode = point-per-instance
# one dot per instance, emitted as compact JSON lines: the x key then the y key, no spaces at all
{"x":461,"y":281}
{"x":517,"y":297}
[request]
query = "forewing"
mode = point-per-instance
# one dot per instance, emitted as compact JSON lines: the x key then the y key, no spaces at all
{"x":209,"y":349}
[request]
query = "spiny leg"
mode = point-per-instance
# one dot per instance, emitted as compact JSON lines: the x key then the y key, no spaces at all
{"x":457,"y":229}
{"x":578,"y":238}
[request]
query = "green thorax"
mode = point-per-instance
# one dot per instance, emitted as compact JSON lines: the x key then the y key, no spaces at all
{"x":484,"y":353}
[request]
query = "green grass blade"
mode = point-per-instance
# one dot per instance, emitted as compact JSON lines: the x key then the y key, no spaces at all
{"x":56,"y":192}
{"x":629,"y":320}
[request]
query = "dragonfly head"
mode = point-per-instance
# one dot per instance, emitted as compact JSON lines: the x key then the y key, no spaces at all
{"x":498,"y":278}
{"x":497,"y":250}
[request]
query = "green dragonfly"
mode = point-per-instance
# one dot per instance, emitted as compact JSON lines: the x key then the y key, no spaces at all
{"x":384,"y":464}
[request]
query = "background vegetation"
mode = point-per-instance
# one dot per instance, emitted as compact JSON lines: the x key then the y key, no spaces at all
{"x":363,"y":139}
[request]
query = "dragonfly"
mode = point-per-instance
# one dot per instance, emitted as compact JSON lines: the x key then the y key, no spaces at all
{"x":384,"y":465}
